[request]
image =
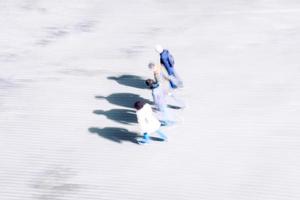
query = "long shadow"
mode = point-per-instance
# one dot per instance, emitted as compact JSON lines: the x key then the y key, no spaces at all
{"x":115,"y":134}
{"x":130,"y":80}
{"x":123,"y":99}
{"x":124,"y":116}
{"x":119,"y":134}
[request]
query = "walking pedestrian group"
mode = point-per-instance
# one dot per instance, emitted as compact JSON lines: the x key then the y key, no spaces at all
{"x":165,"y":81}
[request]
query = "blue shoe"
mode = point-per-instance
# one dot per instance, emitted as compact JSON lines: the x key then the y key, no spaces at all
{"x":144,"y":140}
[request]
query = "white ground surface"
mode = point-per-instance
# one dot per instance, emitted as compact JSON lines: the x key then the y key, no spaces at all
{"x":238,"y":139}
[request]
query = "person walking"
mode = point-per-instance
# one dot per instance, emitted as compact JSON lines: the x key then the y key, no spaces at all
{"x":167,"y":60}
{"x":160,"y":102}
{"x":148,"y":123}
{"x":158,"y":94}
{"x":160,"y":76}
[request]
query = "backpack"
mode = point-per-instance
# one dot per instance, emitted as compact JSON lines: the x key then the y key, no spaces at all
{"x":171,"y":59}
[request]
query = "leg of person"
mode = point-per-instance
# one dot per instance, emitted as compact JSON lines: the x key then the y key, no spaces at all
{"x":178,"y":80}
{"x":163,"y":136}
{"x":166,"y":117}
{"x":172,"y":84}
{"x":167,"y":122}
{"x":180,"y":103}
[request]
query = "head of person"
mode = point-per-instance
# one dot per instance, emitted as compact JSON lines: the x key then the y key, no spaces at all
{"x":159,"y":49}
{"x":139,"y":105}
{"x":151,"y":65}
{"x":151,"y":83}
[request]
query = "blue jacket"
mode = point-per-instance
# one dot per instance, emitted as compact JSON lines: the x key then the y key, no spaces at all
{"x":164,"y":60}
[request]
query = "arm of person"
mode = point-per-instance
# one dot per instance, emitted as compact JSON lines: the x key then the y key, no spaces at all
{"x":165,"y":74}
{"x":156,"y":76}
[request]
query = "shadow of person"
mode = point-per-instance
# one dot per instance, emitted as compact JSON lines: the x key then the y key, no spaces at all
{"x":124,"y":116}
{"x":115,"y":134}
{"x":124,"y":99}
{"x":130,"y":80}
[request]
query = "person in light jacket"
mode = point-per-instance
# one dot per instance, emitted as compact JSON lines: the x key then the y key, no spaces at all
{"x":159,"y":100}
{"x":148,"y":123}
{"x":161,"y":76}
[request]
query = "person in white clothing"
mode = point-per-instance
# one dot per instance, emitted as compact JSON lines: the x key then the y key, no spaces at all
{"x":148,"y":123}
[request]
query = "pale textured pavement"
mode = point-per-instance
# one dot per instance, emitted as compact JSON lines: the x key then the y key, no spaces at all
{"x":238,"y":139}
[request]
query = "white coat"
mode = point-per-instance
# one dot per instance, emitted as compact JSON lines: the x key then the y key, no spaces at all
{"x":148,"y":123}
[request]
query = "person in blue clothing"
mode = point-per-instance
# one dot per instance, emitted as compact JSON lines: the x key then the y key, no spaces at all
{"x":167,"y":60}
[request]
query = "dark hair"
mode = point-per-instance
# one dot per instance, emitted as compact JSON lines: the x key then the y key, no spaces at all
{"x":139,"y":105}
{"x":149,"y":82}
